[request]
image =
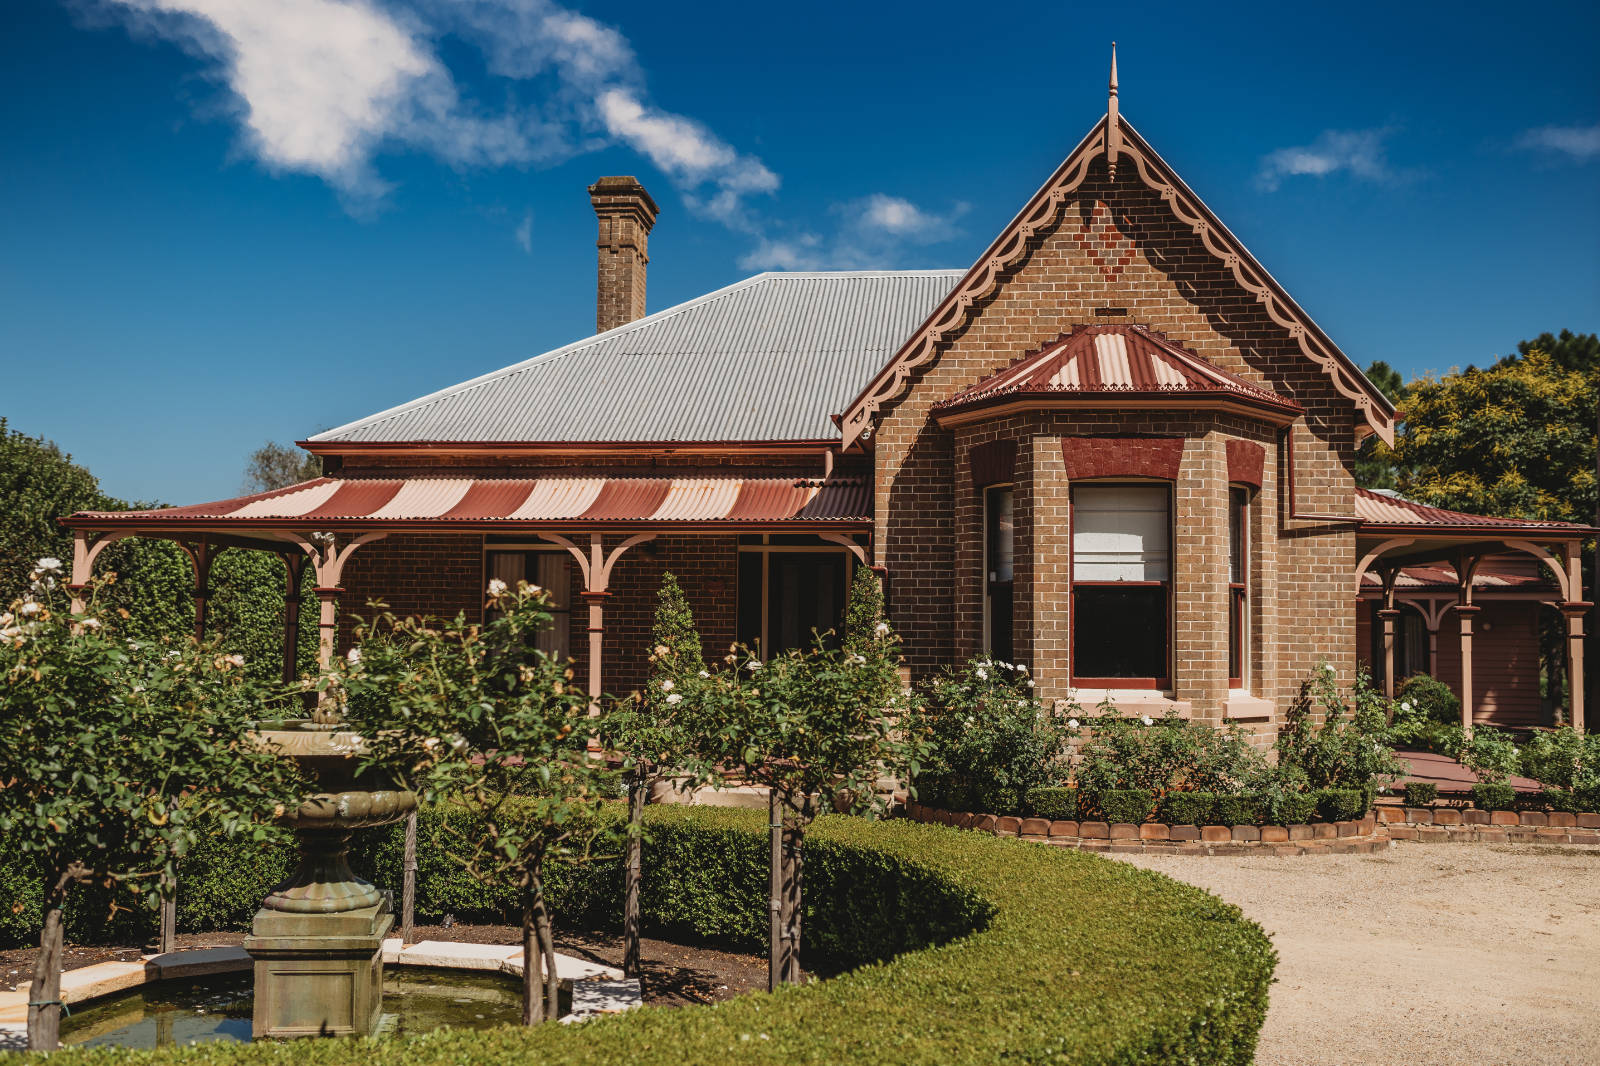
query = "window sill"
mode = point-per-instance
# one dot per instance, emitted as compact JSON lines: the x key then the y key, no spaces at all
{"x":1150,"y":701}
{"x":1243,"y":707}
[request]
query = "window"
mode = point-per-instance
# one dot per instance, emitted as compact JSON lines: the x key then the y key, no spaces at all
{"x":1238,"y":569}
{"x":551,"y":571}
{"x":789,"y":587}
{"x":1121,"y":585}
{"x":999,"y":544}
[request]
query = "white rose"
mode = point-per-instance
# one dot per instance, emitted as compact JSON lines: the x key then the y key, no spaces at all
{"x":983,"y":675}
{"x":29,"y":609}
{"x":91,"y":623}
{"x":1021,"y":669}
{"x":1147,"y":720}
{"x":704,"y":675}
{"x":882,"y":629}
{"x":1072,"y":723}
{"x":48,"y":565}
{"x":6,"y":619}
{"x":353,"y":655}
{"x":673,"y":697}
{"x":497,"y":587}
{"x":1029,"y":682}
{"x":235,"y":660}
{"x":753,"y":665}
{"x":668,"y":685}
{"x":1405,"y":705}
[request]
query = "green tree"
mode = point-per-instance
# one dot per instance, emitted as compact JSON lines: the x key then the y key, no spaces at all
{"x":1516,"y":440}
{"x":1570,"y":351}
{"x":1375,"y":462}
{"x":476,"y":718}
{"x":277,"y":466}
{"x":116,"y":753}
{"x":647,"y":730}
{"x":819,"y":728}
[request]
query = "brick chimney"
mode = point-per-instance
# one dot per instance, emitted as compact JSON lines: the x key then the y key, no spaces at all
{"x":626,"y":215}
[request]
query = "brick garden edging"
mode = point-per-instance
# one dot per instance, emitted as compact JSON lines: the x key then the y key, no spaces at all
{"x":1317,"y":838}
{"x":1433,"y":825}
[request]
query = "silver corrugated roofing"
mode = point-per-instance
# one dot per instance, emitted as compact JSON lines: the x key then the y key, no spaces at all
{"x":773,"y":357}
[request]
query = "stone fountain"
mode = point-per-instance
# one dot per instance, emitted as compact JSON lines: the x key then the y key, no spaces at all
{"x":317,"y":941}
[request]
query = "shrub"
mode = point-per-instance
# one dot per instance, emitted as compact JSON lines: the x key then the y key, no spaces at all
{"x":1421,"y":793}
{"x":1564,"y":799}
{"x":1188,"y":808}
{"x":990,"y":739}
{"x":884,"y":890}
{"x":1053,"y":803}
{"x":1293,"y":808}
{"x":1165,"y":755}
{"x":1494,"y":796}
{"x":1238,"y":809}
{"x":1563,"y":758}
{"x":1430,"y":699}
{"x":1350,"y":748}
{"x":1127,"y":805}
{"x":1490,"y":754}
{"x":1340,"y":804}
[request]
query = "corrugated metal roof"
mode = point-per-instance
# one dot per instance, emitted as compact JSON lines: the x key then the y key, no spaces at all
{"x":1117,"y":358}
{"x":1514,"y":572}
{"x":725,"y":500}
{"x":773,"y":357}
{"x":1380,"y":508}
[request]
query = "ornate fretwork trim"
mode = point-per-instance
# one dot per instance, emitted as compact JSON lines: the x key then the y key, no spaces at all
{"x":1041,"y":212}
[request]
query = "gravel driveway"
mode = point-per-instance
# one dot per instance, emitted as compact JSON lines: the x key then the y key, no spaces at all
{"x":1427,"y":955}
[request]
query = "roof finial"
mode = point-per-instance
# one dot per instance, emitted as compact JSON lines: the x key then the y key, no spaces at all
{"x":1113,"y":123}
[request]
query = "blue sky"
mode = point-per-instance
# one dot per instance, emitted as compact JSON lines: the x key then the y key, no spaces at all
{"x":228,"y":221}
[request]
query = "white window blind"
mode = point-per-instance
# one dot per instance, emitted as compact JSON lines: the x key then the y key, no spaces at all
{"x":1120,"y":533}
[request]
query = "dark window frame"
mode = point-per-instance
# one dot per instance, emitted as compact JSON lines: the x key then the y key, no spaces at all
{"x":1238,"y":590}
{"x":765,"y":546}
{"x":992,"y":586}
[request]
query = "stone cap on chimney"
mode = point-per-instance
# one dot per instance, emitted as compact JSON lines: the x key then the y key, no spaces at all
{"x":620,"y":194}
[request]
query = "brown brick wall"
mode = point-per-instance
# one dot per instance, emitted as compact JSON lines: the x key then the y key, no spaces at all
{"x":929,"y":524}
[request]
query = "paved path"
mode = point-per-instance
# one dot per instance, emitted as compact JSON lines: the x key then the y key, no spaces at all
{"x":1426,"y":955}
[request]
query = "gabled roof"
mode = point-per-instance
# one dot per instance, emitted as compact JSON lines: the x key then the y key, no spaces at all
{"x":1113,"y":138}
{"x":1385,"y":510}
{"x":1131,"y":362}
{"x":693,"y":500}
{"x":771,"y":358}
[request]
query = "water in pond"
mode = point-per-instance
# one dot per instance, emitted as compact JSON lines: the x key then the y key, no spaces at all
{"x":218,"y":1008}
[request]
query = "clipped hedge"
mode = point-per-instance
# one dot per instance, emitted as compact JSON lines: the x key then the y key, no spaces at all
{"x":1494,"y":796}
{"x":1010,"y":951}
{"x":1421,"y":793}
{"x":1126,"y":805}
{"x":1189,"y":808}
{"x":1053,"y":802}
{"x":1342,"y":804}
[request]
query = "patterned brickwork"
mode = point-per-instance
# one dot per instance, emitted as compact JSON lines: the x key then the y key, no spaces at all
{"x":929,"y":525}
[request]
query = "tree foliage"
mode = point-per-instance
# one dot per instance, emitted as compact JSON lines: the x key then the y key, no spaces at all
{"x":277,"y":466}
{"x":477,"y":718}
{"x":115,"y":754}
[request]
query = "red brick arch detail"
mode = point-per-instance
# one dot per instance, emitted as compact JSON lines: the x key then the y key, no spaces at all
{"x":1088,"y":457}
{"x":993,"y":463}
{"x":1246,"y":459}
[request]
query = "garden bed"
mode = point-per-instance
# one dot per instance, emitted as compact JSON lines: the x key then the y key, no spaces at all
{"x":960,"y":949}
{"x":1342,"y":837}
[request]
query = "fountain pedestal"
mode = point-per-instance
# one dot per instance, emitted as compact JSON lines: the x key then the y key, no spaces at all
{"x":318,"y":974}
{"x":317,"y":941}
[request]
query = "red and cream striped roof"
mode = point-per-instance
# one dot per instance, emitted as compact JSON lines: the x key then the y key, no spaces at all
{"x":1125,"y":359}
{"x":708,"y":501}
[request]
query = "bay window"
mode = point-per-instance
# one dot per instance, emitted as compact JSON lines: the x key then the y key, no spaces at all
{"x":1121,"y":585}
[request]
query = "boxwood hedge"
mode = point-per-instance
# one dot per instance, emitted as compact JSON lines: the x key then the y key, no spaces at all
{"x":965,"y":948}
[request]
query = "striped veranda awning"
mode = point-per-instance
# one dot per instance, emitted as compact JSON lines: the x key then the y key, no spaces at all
{"x":702,"y":501}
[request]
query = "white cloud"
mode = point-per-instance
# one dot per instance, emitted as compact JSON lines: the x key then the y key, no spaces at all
{"x":524,"y":232}
{"x":873,"y":231}
{"x":321,"y":86}
{"x":1582,"y":143}
{"x":1360,"y":153}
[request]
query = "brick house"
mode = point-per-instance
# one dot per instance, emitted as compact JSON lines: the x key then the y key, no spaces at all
{"x":1113,"y":449}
